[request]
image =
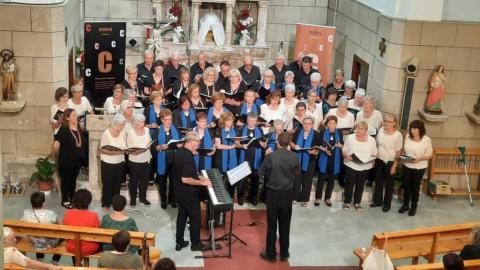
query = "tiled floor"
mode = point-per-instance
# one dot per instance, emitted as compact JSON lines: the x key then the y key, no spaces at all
{"x":319,"y":236}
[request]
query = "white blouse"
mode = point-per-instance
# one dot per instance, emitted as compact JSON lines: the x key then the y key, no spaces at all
{"x":110,"y":107}
{"x":374,"y":122}
{"x":269,"y":115}
{"x":289,"y":108}
{"x":83,"y":108}
{"x":119,"y":142}
{"x":388,"y":144}
{"x":134,"y":140}
{"x":317,"y":114}
{"x":416,"y":150}
{"x":347,"y":121}
{"x":366,"y":149}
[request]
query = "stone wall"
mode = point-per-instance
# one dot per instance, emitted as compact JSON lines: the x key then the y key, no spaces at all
{"x":282,"y":18}
{"x":455,"y":45}
{"x":37,"y":35}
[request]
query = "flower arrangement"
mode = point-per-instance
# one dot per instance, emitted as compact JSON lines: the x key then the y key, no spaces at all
{"x":175,"y":14}
{"x":80,"y":61}
{"x":244,"y":27}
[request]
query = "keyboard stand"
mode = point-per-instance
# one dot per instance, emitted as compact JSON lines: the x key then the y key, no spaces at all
{"x":212,"y":239}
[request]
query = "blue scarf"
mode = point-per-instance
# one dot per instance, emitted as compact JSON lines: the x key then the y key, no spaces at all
{"x":229,"y":157}
{"x":210,"y":114}
{"x":323,"y":160}
{"x":152,"y":118}
{"x":191,"y":115}
{"x":258,"y":150}
{"x":273,"y":144}
{"x":304,"y":156}
{"x":207,"y":143}
{"x":245,"y":108}
{"x":161,"y":139}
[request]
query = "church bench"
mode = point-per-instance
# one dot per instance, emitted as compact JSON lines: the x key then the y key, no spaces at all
{"x":421,"y":242}
{"x":11,"y":266}
{"x":469,"y":265}
{"x":76,"y":233}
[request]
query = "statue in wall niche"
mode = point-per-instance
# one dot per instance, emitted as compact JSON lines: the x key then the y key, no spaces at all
{"x":8,"y":69}
{"x":211,"y":22}
{"x":436,"y":91}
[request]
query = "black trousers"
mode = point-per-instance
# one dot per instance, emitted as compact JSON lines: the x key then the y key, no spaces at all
{"x":304,"y":187}
{"x":330,"y":183}
{"x":113,"y":175}
{"x":383,"y":181}
{"x":341,"y":173}
{"x":354,"y":179}
{"x":412,"y":178}
{"x":162,"y":185}
{"x":139,"y":177}
{"x":68,"y":173}
{"x":279,"y":211}
{"x":188,"y":207}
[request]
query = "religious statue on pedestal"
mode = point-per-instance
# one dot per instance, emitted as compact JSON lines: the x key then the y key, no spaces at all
{"x":211,"y":22}
{"x":436,"y":91}
{"x":8,"y":69}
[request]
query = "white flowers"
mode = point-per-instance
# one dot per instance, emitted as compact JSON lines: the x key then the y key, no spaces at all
{"x":247,"y":21}
{"x":172,"y":17}
{"x":178,"y":29}
{"x":244,"y":32}
{"x":78,"y":60}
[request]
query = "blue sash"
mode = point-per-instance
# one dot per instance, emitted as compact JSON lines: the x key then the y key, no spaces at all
{"x":191,"y":115}
{"x":161,"y":139}
{"x":258,"y":150}
{"x":323,"y":160}
{"x":210,"y":114}
{"x":273,"y":144}
{"x":245,"y":108}
{"x":229,"y":157}
{"x":207,"y":143}
{"x":304,"y":156}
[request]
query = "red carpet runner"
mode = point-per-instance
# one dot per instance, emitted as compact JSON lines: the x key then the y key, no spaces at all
{"x":251,"y":227}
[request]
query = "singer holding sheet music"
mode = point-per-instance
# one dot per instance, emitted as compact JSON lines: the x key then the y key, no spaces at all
{"x":247,"y":107}
{"x":359,"y":154}
{"x":203,"y":159}
{"x":280,"y":170}
{"x":112,"y":159}
{"x":165,"y":154}
{"x":234,"y":90}
{"x":197,"y":101}
{"x":139,"y":161}
{"x":184,"y":116}
{"x":57,"y":109}
{"x":251,"y":151}
{"x":207,"y":84}
{"x":304,"y":139}
{"x":180,"y":87}
{"x":389,"y":143}
{"x":329,"y":162}
{"x":418,"y":146}
{"x":226,"y":155}
{"x":216,"y":110}
{"x":187,"y":184}
{"x":266,"y":87}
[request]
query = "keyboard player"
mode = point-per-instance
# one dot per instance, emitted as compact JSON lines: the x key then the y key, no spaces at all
{"x":187,"y":185}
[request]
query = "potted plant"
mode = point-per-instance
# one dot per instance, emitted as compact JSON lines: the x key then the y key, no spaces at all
{"x":44,"y":174}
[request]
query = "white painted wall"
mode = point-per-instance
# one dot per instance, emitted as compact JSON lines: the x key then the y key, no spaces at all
{"x":461,"y":10}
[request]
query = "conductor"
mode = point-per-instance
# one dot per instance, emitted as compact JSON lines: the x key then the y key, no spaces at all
{"x":280,"y":170}
{"x":187,"y":185}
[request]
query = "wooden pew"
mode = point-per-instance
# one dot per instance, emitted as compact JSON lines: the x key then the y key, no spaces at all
{"x":421,"y":242}
{"x":76,"y":233}
{"x":469,"y":265}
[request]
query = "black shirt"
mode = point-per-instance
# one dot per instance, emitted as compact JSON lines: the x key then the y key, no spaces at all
{"x":171,"y":75}
{"x":69,"y":152}
{"x":145,"y":76}
{"x":281,"y":168}
{"x":293,"y":66}
{"x":279,"y":74}
{"x":195,"y":70}
{"x":252,"y":78}
{"x":302,"y":79}
{"x":207,"y":90}
{"x":184,"y":166}
{"x":221,"y":82}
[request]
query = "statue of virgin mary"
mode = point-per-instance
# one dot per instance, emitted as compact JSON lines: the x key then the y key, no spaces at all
{"x":211,"y":21}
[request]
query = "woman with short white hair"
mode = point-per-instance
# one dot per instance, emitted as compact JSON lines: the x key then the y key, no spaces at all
{"x":314,"y":109}
{"x":112,"y":156}
{"x":288,"y":79}
{"x":359,"y":154}
{"x":266,"y":87}
{"x":372,"y":116}
{"x":315,"y":84}
{"x":139,"y":160}
{"x":126,"y":109}
{"x":289,"y":101}
{"x":349,"y":89}
{"x":356,"y":104}
{"x":346,"y":121}
{"x":130,"y":95}
{"x":80,"y":104}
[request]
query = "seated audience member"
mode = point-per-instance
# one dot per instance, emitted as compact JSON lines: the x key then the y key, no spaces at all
{"x":119,"y":221}
{"x":81,"y":216}
{"x":165,"y":264}
{"x":452,"y":261}
{"x":119,"y":258}
{"x":12,"y":255}
{"x":39,"y":214}
{"x":472,"y":251}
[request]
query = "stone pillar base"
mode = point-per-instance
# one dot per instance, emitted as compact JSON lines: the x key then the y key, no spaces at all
{"x":432,"y":117}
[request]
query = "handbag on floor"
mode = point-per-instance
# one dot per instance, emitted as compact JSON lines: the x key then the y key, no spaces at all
{"x":378,"y":259}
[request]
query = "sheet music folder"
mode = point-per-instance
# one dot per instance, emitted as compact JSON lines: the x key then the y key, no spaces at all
{"x":238,"y":173}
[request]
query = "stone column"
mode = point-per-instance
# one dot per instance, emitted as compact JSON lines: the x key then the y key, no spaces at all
{"x":228,"y":26}
{"x":158,"y":5}
{"x":262,"y":23}
{"x":194,"y":28}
